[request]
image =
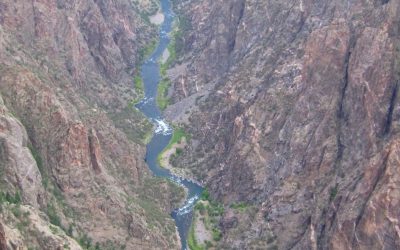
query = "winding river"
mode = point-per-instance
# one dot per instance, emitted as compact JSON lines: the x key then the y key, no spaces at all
{"x":163,"y":131}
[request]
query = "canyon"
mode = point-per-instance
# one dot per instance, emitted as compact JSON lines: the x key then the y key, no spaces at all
{"x":287,"y":113}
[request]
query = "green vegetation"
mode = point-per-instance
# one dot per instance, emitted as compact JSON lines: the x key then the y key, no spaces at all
{"x":165,"y":83}
{"x":153,"y":212}
{"x":57,"y":201}
{"x":151,"y":187}
{"x":13,"y":203}
{"x":85,"y":241}
{"x":216,"y":233}
{"x":205,"y":195}
{"x":146,"y":51}
{"x":150,"y":200}
{"x":333,"y":192}
{"x":241,"y":206}
{"x":53,"y":216}
{"x":139,"y":87}
{"x":210,"y":212}
{"x":192,"y":242}
{"x":16,"y":210}
{"x":177,"y":137}
{"x":141,"y":132}
{"x":12,"y":199}
{"x":162,"y":93}
{"x":181,"y":26}
{"x":23,"y":217}
{"x":39,"y":163}
{"x":178,"y":151}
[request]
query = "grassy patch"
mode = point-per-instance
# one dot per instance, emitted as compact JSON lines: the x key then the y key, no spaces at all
{"x":139,"y":87}
{"x":53,"y":216}
{"x":211,"y":212}
{"x":10,"y":198}
{"x":85,"y":241}
{"x":241,"y":206}
{"x":162,"y":93}
{"x":146,"y":51}
{"x":333,"y":193}
{"x":177,"y":137}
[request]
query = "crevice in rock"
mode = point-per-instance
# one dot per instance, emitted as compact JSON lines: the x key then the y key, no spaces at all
{"x":389,"y":117}
{"x":341,"y":115}
{"x":307,"y":224}
{"x":232,"y":43}
{"x":94,"y":147}
{"x":382,"y":2}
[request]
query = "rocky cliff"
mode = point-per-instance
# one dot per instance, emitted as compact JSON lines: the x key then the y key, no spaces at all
{"x":71,"y":145}
{"x":293,"y":112}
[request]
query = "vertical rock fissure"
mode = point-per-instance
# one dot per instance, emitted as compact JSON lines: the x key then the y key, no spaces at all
{"x":341,"y":116}
{"x":232,"y":44}
{"x":389,"y":117}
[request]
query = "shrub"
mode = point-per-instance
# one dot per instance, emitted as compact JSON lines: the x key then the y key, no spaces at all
{"x":216,"y":234}
{"x":333,"y":193}
{"x":53,"y":216}
{"x":205,"y":196}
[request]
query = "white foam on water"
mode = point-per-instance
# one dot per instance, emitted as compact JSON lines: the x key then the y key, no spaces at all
{"x":145,"y":100}
{"x":177,"y":180}
{"x":162,"y":127}
{"x":187,"y":208}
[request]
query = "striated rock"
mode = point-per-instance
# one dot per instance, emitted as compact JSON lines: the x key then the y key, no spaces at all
{"x":95,"y":151}
{"x":297,"y":114}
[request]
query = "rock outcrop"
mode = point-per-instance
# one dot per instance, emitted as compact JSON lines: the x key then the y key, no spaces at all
{"x":294,"y":111}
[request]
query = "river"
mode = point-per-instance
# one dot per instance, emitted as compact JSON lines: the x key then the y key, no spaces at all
{"x":150,"y":73}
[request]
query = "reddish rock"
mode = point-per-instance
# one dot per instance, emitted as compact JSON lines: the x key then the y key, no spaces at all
{"x":3,"y":241}
{"x":95,"y":151}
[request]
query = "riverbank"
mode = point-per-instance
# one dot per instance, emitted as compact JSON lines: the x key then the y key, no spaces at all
{"x":204,"y":232}
{"x":175,"y":147}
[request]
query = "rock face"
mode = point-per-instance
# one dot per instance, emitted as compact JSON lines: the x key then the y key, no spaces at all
{"x":294,"y":111}
{"x":68,"y":171}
